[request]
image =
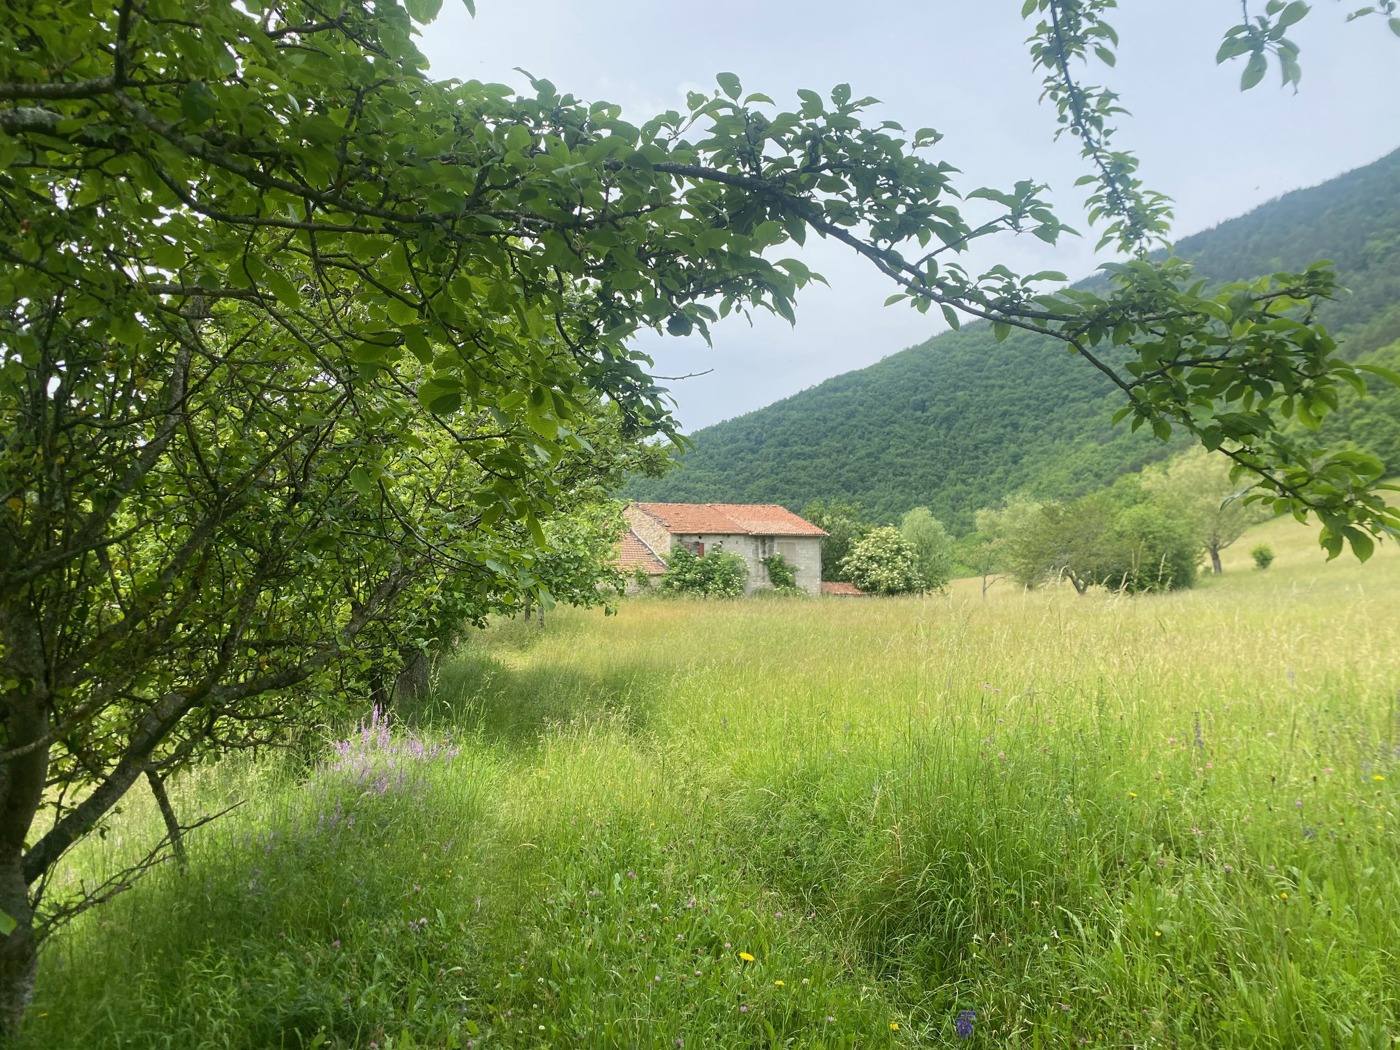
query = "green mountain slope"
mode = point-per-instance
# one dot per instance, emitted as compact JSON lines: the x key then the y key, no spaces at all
{"x":960,"y":421}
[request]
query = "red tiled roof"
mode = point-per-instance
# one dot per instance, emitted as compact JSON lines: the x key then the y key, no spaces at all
{"x":842,"y":590}
{"x":744,"y":519}
{"x":632,"y":554}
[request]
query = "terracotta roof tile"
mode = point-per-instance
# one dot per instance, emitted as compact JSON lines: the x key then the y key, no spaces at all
{"x":767,"y":519}
{"x":743,"y":519}
{"x":841,"y":590}
{"x":632,"y":554}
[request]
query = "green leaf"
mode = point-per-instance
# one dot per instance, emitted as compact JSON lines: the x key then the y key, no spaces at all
{"x":422,"y":11}
{"x":729,"y":84}
{"x":1254,"y":71}
{"x":360,"y":481}
{"x":1361,"y":544}
{"x":441,"y":395}
{"x":1387,"y":374}
{"x":197,"y":103}
{"x":1294,"y":12}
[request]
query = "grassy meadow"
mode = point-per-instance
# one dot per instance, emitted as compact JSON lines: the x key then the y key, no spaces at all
{"x":1034,"y":821}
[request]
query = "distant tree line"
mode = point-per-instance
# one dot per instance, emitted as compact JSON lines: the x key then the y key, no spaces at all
{"x":1148,"y":531}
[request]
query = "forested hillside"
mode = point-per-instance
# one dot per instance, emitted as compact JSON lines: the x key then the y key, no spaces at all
{"x":960,"y":421}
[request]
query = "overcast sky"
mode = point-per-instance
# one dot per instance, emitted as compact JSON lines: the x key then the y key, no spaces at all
{"x":960,"y":66}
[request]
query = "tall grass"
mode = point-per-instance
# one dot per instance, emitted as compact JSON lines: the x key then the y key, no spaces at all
{"x":1119,"y":822}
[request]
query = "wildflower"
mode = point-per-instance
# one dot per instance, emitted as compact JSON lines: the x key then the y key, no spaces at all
{"x":1132,"y":794}
{"x":830,"y":1019}
{"x":745,"y":957}
{"x":1283,"y":896}
{"x":777,"y":984}
{"x":894,"y":1026}
{"x":744,"y":1009}
{"x":964,"y":1023}
{"x":1378,"y":777}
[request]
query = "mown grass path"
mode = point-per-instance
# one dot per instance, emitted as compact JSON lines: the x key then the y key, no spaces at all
{"x":1163,"y":821}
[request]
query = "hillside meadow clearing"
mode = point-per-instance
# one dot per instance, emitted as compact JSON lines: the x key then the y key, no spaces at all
{"x":1035,"y":821}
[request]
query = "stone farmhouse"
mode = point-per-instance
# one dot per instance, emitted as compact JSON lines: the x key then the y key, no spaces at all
{"x":753,"y":531}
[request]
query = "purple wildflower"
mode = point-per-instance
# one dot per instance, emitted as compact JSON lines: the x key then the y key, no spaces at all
{"x":964,"y":1023}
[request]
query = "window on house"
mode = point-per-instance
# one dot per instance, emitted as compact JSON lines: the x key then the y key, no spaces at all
{"x":765,"y":546}
{"x":696,"y":547}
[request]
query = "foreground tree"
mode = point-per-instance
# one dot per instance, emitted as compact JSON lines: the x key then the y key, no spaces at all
{"x":302,"y":352}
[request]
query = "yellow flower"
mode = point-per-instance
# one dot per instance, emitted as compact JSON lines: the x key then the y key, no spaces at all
{"x":746,"y":957}
{"x":1283,"y":896}
{"x":1378,"y":777}
{"x":894,"y":1026}
{"x":777,"y":984}
{"x":1132,"y":794}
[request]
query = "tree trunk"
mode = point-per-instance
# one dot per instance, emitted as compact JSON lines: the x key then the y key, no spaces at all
{"x":19,"y":951}
{"x":412,"y":682}
{"x":1215,"y":561}
{"x":24,"y":710}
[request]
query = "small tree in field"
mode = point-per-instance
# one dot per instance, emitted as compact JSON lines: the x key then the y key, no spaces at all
{"x":884,"y":562}
{"x":933,"y":547}
{"x":1198,"y":486}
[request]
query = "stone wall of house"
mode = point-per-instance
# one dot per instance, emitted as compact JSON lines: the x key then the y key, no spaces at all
{"x":648,"y":530}
{"x":739,"y":544}
{"x":805,"y":553}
